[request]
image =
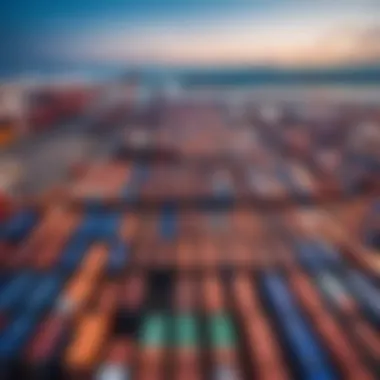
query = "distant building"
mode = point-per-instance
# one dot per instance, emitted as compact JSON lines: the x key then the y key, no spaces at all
{"x":365,"y":138}
{"x":13,"y":110}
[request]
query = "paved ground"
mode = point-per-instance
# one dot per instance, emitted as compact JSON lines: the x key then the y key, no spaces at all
{"x":46,"y":158}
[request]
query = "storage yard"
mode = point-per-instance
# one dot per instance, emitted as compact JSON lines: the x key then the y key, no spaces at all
{"x":198,"y":242}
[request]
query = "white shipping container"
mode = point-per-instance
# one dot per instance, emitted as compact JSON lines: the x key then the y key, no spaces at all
{"x":11,"y":176}
{"x":264,"y":185}
{"x":112,"y":372}
{"x":333,"y":289}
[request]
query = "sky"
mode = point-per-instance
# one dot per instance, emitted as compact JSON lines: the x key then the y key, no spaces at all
{"x":286,"y":33}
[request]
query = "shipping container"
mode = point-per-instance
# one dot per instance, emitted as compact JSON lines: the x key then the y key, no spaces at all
{"x":36,"y":240}
{"x":129,"y":227}
{"x":118,"y":258}
{"x":101,"y":183}
{"x":106,"y":302}
{"x":131,"y":304}
{"x":334,"y":289}
{"x":118,"y":361}
{"x":209,"y":250}
{"x":208,"y":254}
{"x":15,"y":291}
{"x":8,"y":133}
{"x":18,"y":225}
{"x":366,"y":292}
{"x":74,"y":251}
{"x":153,"y":346}
{"x":338,"y":296}
{"x":336,"y":342}
{"x":304,"y":347}
{"x":44,"y":350}
{"x":168,"y":223}
{"x":186,"y":254}
{"x":14,"y":337}
{"x":75,"y":296}
{"x":94,"y":262}
{"x":44,"y":295}
{"x":265,"y":359}
{"x":85,"y":349}
{"x":265,"y":185}
{"x":186,"y":331}
{"x":50,"y":253}
{"x":221,"y":331}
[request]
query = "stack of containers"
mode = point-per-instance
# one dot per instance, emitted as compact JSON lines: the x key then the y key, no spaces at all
{"x":90,"y":334}
{"x":186,"y":333}
{"x":153,"y":345}
{"x":220,"y":331}
{"x":264,"y":357}
{"x":169,"y":291}
{"x":351,"y":222}
{"x":102,"y":184}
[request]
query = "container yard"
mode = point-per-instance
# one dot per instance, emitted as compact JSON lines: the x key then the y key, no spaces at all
{"x":212,"y":242}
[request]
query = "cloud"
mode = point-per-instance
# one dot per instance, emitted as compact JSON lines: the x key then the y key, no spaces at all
{"x":303,"y":35}
{"x":351,"y":45}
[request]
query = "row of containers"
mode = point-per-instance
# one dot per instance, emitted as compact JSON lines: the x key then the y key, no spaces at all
{"x":208,"y":162}
{"x":271,"y":183}
{"x":41,"y":110}
{"x":197,"y":154}
{"x":207,"y":132}
{"x":191,"y":295}
{"x":60,"y":237}
{"x":158,"y":325}
{"x":172,"y":293}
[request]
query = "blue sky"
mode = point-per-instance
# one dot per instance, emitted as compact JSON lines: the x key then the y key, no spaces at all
{"x":189,"y":32}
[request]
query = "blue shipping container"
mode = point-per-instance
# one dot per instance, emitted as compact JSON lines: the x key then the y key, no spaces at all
{"x":74,"y":252}
{"x":16,"y":290}
{"x":168,"y":222}
{"x":19,"y":225}
{"x":118,"y":257}
{"x":365,"y":292}
{"x":101,"y":225}
{"x":309,"y":355}
{"x":15,"y":335}
{"x":317,"y":256}
{"x":44,"y":295}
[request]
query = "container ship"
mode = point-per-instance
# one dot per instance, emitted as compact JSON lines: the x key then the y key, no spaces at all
{"x":208,"y":245}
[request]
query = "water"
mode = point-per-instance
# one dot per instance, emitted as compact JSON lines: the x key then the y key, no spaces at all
{"x":328,"y":93}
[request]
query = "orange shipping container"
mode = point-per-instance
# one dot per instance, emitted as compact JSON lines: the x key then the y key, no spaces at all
{"x":151,"y":364}
{"x":55,"y":241}
{"x":267,"y":361}
{"x":186,"y":255}
{"x":76,"y":295}
{"x":187,"y":364}
{"x":212,"y":294}
{"x":208,"y":253}
{"x":36,"y":241}
{"x":84,"y":351}
{"x":94,"y":262}
{"x":129,"y":227}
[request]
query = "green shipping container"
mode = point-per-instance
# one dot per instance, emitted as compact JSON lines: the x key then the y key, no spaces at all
{"x":186,"y":330}
{"x":222,"y":331}
{"x":153,"y":331}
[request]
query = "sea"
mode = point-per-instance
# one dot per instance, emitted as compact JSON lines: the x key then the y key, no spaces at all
{"x":348,"y":84}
